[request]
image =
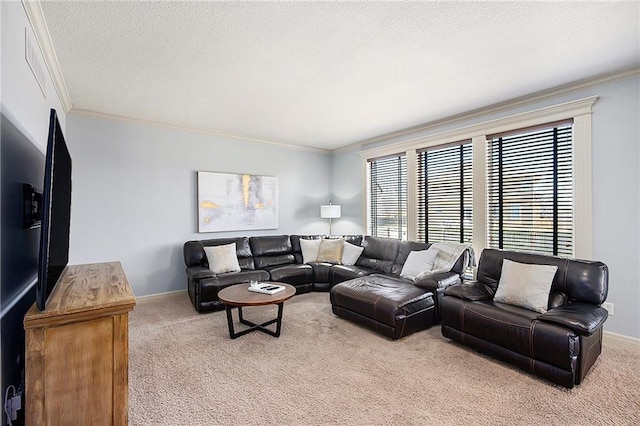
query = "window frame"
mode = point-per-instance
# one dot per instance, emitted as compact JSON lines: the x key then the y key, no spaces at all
{"x":462,"y":154}
{"x":550,"y":167}
{"x":403,"y":231}
{"x":579,"y":110}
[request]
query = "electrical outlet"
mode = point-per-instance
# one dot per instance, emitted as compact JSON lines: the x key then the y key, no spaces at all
{"x":12,"y":405}
{"x":609,"y":307}
{"x":16,"y":402}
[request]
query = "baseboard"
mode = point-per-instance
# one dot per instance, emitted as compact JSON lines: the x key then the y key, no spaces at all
{"x":620,"y":340}
{"x":156,"y":296}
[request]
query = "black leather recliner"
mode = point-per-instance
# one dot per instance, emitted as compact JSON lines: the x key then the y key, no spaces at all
{"x":274,"y":254}
{"x":203,"y":285}
{"x":559,"y":345}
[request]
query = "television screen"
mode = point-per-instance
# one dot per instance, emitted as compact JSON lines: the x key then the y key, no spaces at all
{"x":56,"y":213}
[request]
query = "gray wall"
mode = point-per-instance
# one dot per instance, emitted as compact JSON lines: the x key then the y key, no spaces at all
{"x":135,"y":190}
{"x":347,"y":187}
{"x":134,"y":193}
{"x":615,"y":183}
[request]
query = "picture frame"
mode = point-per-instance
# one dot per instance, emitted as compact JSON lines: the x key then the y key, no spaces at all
{"x":236,"y":202}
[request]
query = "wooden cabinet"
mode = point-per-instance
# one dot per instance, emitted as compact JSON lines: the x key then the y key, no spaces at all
{"x":77,"y":349}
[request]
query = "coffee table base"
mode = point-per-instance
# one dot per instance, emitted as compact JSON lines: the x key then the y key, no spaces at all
{"x":254,"y":326}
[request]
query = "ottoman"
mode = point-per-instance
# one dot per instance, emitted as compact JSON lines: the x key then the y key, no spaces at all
{"x":391,"y":306}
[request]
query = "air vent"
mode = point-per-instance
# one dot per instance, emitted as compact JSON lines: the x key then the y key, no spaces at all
{"x":32,"y":55}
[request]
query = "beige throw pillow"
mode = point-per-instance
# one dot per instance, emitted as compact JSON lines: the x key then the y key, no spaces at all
{"x":330,"y":250}
{"x":222,"y":258}
{"x":525,"y":285}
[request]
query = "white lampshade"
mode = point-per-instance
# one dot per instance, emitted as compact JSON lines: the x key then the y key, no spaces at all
{"x":330,"y":211}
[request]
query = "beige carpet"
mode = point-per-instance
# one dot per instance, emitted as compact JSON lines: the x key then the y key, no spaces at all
{"x":184,"y":370}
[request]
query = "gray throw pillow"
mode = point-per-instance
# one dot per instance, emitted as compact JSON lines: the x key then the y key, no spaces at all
{"x":351,"y":253}
{"x":418,"y":262}
{"x":222,"y":258}
{"x":525,"y":285}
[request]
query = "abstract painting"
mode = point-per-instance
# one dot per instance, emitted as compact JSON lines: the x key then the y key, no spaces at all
{"x":236,"y":202}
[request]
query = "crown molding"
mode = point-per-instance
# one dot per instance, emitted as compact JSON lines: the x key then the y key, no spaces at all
{"x":39,"y":25}
{"x":569,"y":88}
{"x":531,"y":118}
{"x":113,"y":117}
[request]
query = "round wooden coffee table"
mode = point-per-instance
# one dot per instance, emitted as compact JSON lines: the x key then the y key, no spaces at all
{"x":238,"y":296}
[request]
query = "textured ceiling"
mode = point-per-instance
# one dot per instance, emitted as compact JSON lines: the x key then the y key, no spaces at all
{"x":327,"y":74}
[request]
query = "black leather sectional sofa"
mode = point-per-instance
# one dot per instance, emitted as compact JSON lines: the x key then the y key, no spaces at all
{"x":377,"y":296}
{"x":560,"y":344}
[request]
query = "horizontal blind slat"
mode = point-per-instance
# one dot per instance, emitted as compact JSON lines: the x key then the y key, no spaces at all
{"x":387,"y":190}
{"x":529,"y":202}
{"x":444,"y":174}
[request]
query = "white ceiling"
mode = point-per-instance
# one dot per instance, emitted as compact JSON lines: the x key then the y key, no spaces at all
{"x":327,"y":74}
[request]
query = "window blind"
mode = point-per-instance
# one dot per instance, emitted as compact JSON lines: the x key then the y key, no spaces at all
{"x":445,"y":194}
{"x":387,"y":190}
{"x":530,"y":190}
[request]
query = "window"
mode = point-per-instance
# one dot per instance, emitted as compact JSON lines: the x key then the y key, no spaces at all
{"x":530,"y":190}
{"x":531,"y":187}
{"x":387,"y":196}
{"x":445,"y":194}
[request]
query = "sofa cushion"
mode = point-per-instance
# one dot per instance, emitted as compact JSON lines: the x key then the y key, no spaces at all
{"x":578,"y":280}
{"x":417,"y":262}
{"x":270,"y":245}
{"x":525,"y":285}
{"x":321,"y":272}
{"x":380,"y":297}
{"x":513,"y":328}
{"x":309,"y":249}
{"x":330,"y":251}
{"x":404,"y":249}
{"x":222,"y":258}
{"x":271,"y":250}
{"x":379,"y":254}
{"x":231,"y":278}
{"x":583,"y":318}
{"x":340,"y":273}
{"x":291,"y":274}
{"x":194,"y":254}
{"x":351,"y":253}
{"x":470,"y":291}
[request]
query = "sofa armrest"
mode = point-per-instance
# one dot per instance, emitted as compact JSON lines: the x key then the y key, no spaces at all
{"x":196,"y":273}
{"x":583,"y":318}
{"x":438,"y":280}
{"x":471,"y":291}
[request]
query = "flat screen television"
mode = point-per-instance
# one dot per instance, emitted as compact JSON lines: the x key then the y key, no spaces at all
{"x":56,"y":213}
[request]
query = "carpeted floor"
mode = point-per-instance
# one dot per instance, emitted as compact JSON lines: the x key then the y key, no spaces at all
{"x":184,"y":370}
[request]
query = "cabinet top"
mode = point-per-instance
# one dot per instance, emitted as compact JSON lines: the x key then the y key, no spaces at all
{"x":94,"y":289}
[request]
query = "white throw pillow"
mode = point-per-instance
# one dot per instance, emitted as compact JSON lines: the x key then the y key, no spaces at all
{"x":525,"y":285}
{"x":309,"y":249}
{"x":222,"y":258}
{"x":351,"y":253}
{"x":417,"y":262}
